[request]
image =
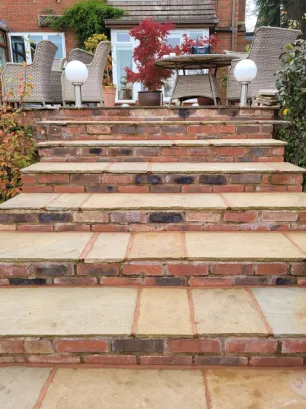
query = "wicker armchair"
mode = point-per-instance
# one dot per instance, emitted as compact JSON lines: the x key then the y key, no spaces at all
{"x":193,"y":86}
{"x":55,"y":95}
{"x":81,"y":55}
{"x":268,"y":44}
{"x":92,"y":90}
{"x":37,"y":74}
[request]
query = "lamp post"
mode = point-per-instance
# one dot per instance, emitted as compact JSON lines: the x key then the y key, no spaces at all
{"x":77,"y":73}
{"x":244,"y":72}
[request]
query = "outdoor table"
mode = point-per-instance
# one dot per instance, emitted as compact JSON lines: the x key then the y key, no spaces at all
{"x":200,"y":84}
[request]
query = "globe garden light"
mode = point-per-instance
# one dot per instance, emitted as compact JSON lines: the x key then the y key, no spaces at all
{"x":77,"y":73}
{"x":244,"y":72}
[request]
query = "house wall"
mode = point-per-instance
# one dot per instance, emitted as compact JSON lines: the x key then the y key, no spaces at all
{"x":22,"y":17}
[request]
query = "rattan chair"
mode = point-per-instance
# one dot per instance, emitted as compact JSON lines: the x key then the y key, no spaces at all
{"x":37,"y":75}
{"x":55,"y":95}
{"x":194,"y":86}
{"x":92,"y":89}
{"x":268,"y":44}
{"x":81,"y":55}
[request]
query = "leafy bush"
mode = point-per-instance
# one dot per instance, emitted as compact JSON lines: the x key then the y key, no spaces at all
{"x":17,"y":150}
{"x":291,"y":84}
{"x":86,"y":18}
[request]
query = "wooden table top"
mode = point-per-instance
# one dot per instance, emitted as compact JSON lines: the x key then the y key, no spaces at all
{"x":196,"y":61}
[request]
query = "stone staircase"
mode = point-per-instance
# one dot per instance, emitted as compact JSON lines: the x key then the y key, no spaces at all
{"x":155,"y":237}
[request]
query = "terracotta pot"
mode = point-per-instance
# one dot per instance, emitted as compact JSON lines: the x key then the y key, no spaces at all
{"x":150,"y":98}
{"x":109,"y":96}
{"x":205,"y":101}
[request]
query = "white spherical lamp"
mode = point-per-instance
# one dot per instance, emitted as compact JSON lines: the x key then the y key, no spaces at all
{"x":76,"y":72}
{"x":245,"y":71}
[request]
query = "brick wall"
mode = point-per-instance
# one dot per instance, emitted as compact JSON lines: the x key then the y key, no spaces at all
{"x":22,"y":17}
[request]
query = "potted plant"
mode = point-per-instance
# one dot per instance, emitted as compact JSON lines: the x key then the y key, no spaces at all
{"x":109,"y":89}
{"x":152,"y":46}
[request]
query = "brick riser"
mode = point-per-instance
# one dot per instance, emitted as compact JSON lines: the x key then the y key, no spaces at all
{"x":152,"y":220}
{"x":161,"y":183}
{"x":154,"y":132}
{"x":162,"y":154}
{"x":154,"y":113}
{"x":217,"y":350}
{"x":155,"y":273}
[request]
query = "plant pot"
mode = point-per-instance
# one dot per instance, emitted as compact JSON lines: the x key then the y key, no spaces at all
{"x":150,"y":98}
{"x":205,"y":101}
{"x":109,"y":93}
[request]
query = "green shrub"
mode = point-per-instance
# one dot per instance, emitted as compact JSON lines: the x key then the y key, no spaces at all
{"x":17,"y":150}
{"x":291,"y":84}
{"x":86,"y":18}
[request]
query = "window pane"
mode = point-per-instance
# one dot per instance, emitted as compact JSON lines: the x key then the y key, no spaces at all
{"x":196,"y":35}
{"x":2,"y":59}
{"x":124,"y":59}
{"x":123,"y":37}
{"x":174,"y":41}
{"x":58,"y":41}
{"x":18,"y":49}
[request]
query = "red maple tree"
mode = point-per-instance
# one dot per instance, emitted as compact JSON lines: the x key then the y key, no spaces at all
{"x":152,"y":46}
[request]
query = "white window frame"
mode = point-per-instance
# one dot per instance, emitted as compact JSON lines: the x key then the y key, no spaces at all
{"x":132,"y":44}
{"x":27,"y":44}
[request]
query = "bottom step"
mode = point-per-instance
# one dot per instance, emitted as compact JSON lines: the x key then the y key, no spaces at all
{"x":68,"y":388}
{"x":153,"y":326}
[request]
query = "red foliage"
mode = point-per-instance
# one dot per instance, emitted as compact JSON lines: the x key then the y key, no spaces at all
{"x":152,"y":46}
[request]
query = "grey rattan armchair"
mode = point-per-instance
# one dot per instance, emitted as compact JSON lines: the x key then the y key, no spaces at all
{"x":55,"y":95}
{"x":81,"y":55}
{"x":268,"y":44}
{"x":37,"y":74}
{"x":92,"y":90}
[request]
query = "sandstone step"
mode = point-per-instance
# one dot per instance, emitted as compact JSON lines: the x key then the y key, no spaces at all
{"x":157,"y":129}
{"x":206,"y":150}
{"x":154,"y":211}
{"x":147,"y":326}
{"x":109,"y":388}
{"x":153,"y":258}
{"x":135,"y":177}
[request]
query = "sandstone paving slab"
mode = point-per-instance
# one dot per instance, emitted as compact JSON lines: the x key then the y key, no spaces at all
{"x":299,"y":238}
{"x":165,"y":201}
{"x":229,"y":142}
{"x":29,"y":201}
{"x":26,"y":246}
{"x":66,"y":167}
{"x":126,"y":388}
{"x":109,"y":247}
{"x":283,"y":308}
{"x":128,"y":167}
{"x":226,"y":311}
{"x":210,"y":167}
{"x":286,"y":167}
{"x":68,"y":201}
{"x":152,"y":245}
{"x":67,"y":311}
{"x":274,"y":201}
{"x":258,"y":246}
{"x":110,"y":143}
{"x":164,"y":311}
{"x":20,"y":387}
{"x":256,"y":389}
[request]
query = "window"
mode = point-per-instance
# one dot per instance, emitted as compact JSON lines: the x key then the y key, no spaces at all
{"x":3,"y":50}
{"x":23,"y":45}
